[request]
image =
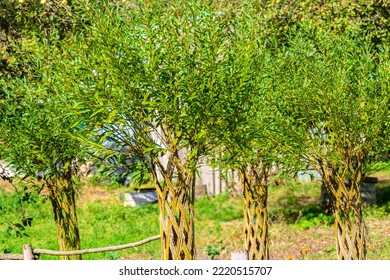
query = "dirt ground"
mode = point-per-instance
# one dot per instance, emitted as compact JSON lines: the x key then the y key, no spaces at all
{"x":285,"y":241}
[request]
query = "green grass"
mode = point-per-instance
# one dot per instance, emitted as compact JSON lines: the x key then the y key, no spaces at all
{"x":112,"y":224}
{"x":100,"y":224}
{"x":297,"y":222}
{"x":107,"y":223}
{"x":221,"y":208}
{"x":297,"y":203}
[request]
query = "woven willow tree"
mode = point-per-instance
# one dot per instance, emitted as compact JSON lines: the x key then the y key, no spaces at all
{"x":255,"y":190}
{"x":36,"y":131}
{"x":34,"y":122}
{"x":176,"y":204}
{"x":62,"y":195}
{"x":335,"y":100}
{"x":146,"y":77}
{"x":36,"y":128}
{"x":349,"y":227}
{"x":244,"y":132}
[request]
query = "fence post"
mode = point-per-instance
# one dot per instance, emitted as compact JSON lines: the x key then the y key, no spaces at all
{"x":239,"y":255}
{"x":27,"y":252}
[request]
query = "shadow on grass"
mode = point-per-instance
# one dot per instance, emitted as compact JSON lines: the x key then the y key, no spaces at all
{"x":383,"y":192}
{"x":382,"y":207}
{"x":305,"y":213}
{"x":300,"y":206}
{"x":304,"y":217}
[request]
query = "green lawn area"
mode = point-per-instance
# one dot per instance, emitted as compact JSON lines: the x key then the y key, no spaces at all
{"x":298,"y":227}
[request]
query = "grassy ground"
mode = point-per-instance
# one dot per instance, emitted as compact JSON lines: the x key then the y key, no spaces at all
{"x":298,"y":227}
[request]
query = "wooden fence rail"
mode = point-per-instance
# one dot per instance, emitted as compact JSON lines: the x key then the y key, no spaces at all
{"x":33,"y":254}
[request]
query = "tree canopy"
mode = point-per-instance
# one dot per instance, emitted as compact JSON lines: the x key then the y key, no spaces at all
{"x":256,"y":83}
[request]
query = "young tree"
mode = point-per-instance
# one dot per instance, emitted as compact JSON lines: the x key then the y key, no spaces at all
{"x":146,"y":76}
{"x":241,"y":128}
{"x":35,"y":132}
{"x":247,"y":131}
{"x":34,"y":122}
{"x":334,"y":96}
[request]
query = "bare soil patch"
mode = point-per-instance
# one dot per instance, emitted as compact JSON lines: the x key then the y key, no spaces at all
{"x":90,"y":194}
{"x":5,"y":185}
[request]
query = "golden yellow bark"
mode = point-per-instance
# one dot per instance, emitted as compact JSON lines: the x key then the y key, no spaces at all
{"x":176,"y":204}
{"x":349,"y":227}
{"x":62,"y":198}
{"x":255,"y":190}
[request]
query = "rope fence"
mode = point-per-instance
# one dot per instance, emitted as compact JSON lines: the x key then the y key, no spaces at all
{"x":33,"y":254}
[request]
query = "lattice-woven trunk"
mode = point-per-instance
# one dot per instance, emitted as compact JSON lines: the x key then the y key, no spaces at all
{"x":349,"y":228}
{"x":62,"y":198}
{"x":176,"y":195}
{"x":255,"y":215}
{"x":176,"y":204}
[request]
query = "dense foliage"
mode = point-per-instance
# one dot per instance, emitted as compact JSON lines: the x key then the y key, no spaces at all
{"x":254,"y":85}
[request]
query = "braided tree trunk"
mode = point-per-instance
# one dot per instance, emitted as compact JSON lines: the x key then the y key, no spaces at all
{"x":62,"y":198}
{"x":349,"y":227}
{"x":176,"y":204}
{"x":255,"y":189}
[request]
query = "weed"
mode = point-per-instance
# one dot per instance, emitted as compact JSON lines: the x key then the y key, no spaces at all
{"x":211,"y":251}
{"x":377,"y":212}
{"x":312,"y":218}
{"x":113,"y":256}
{"x":329,"y":249}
